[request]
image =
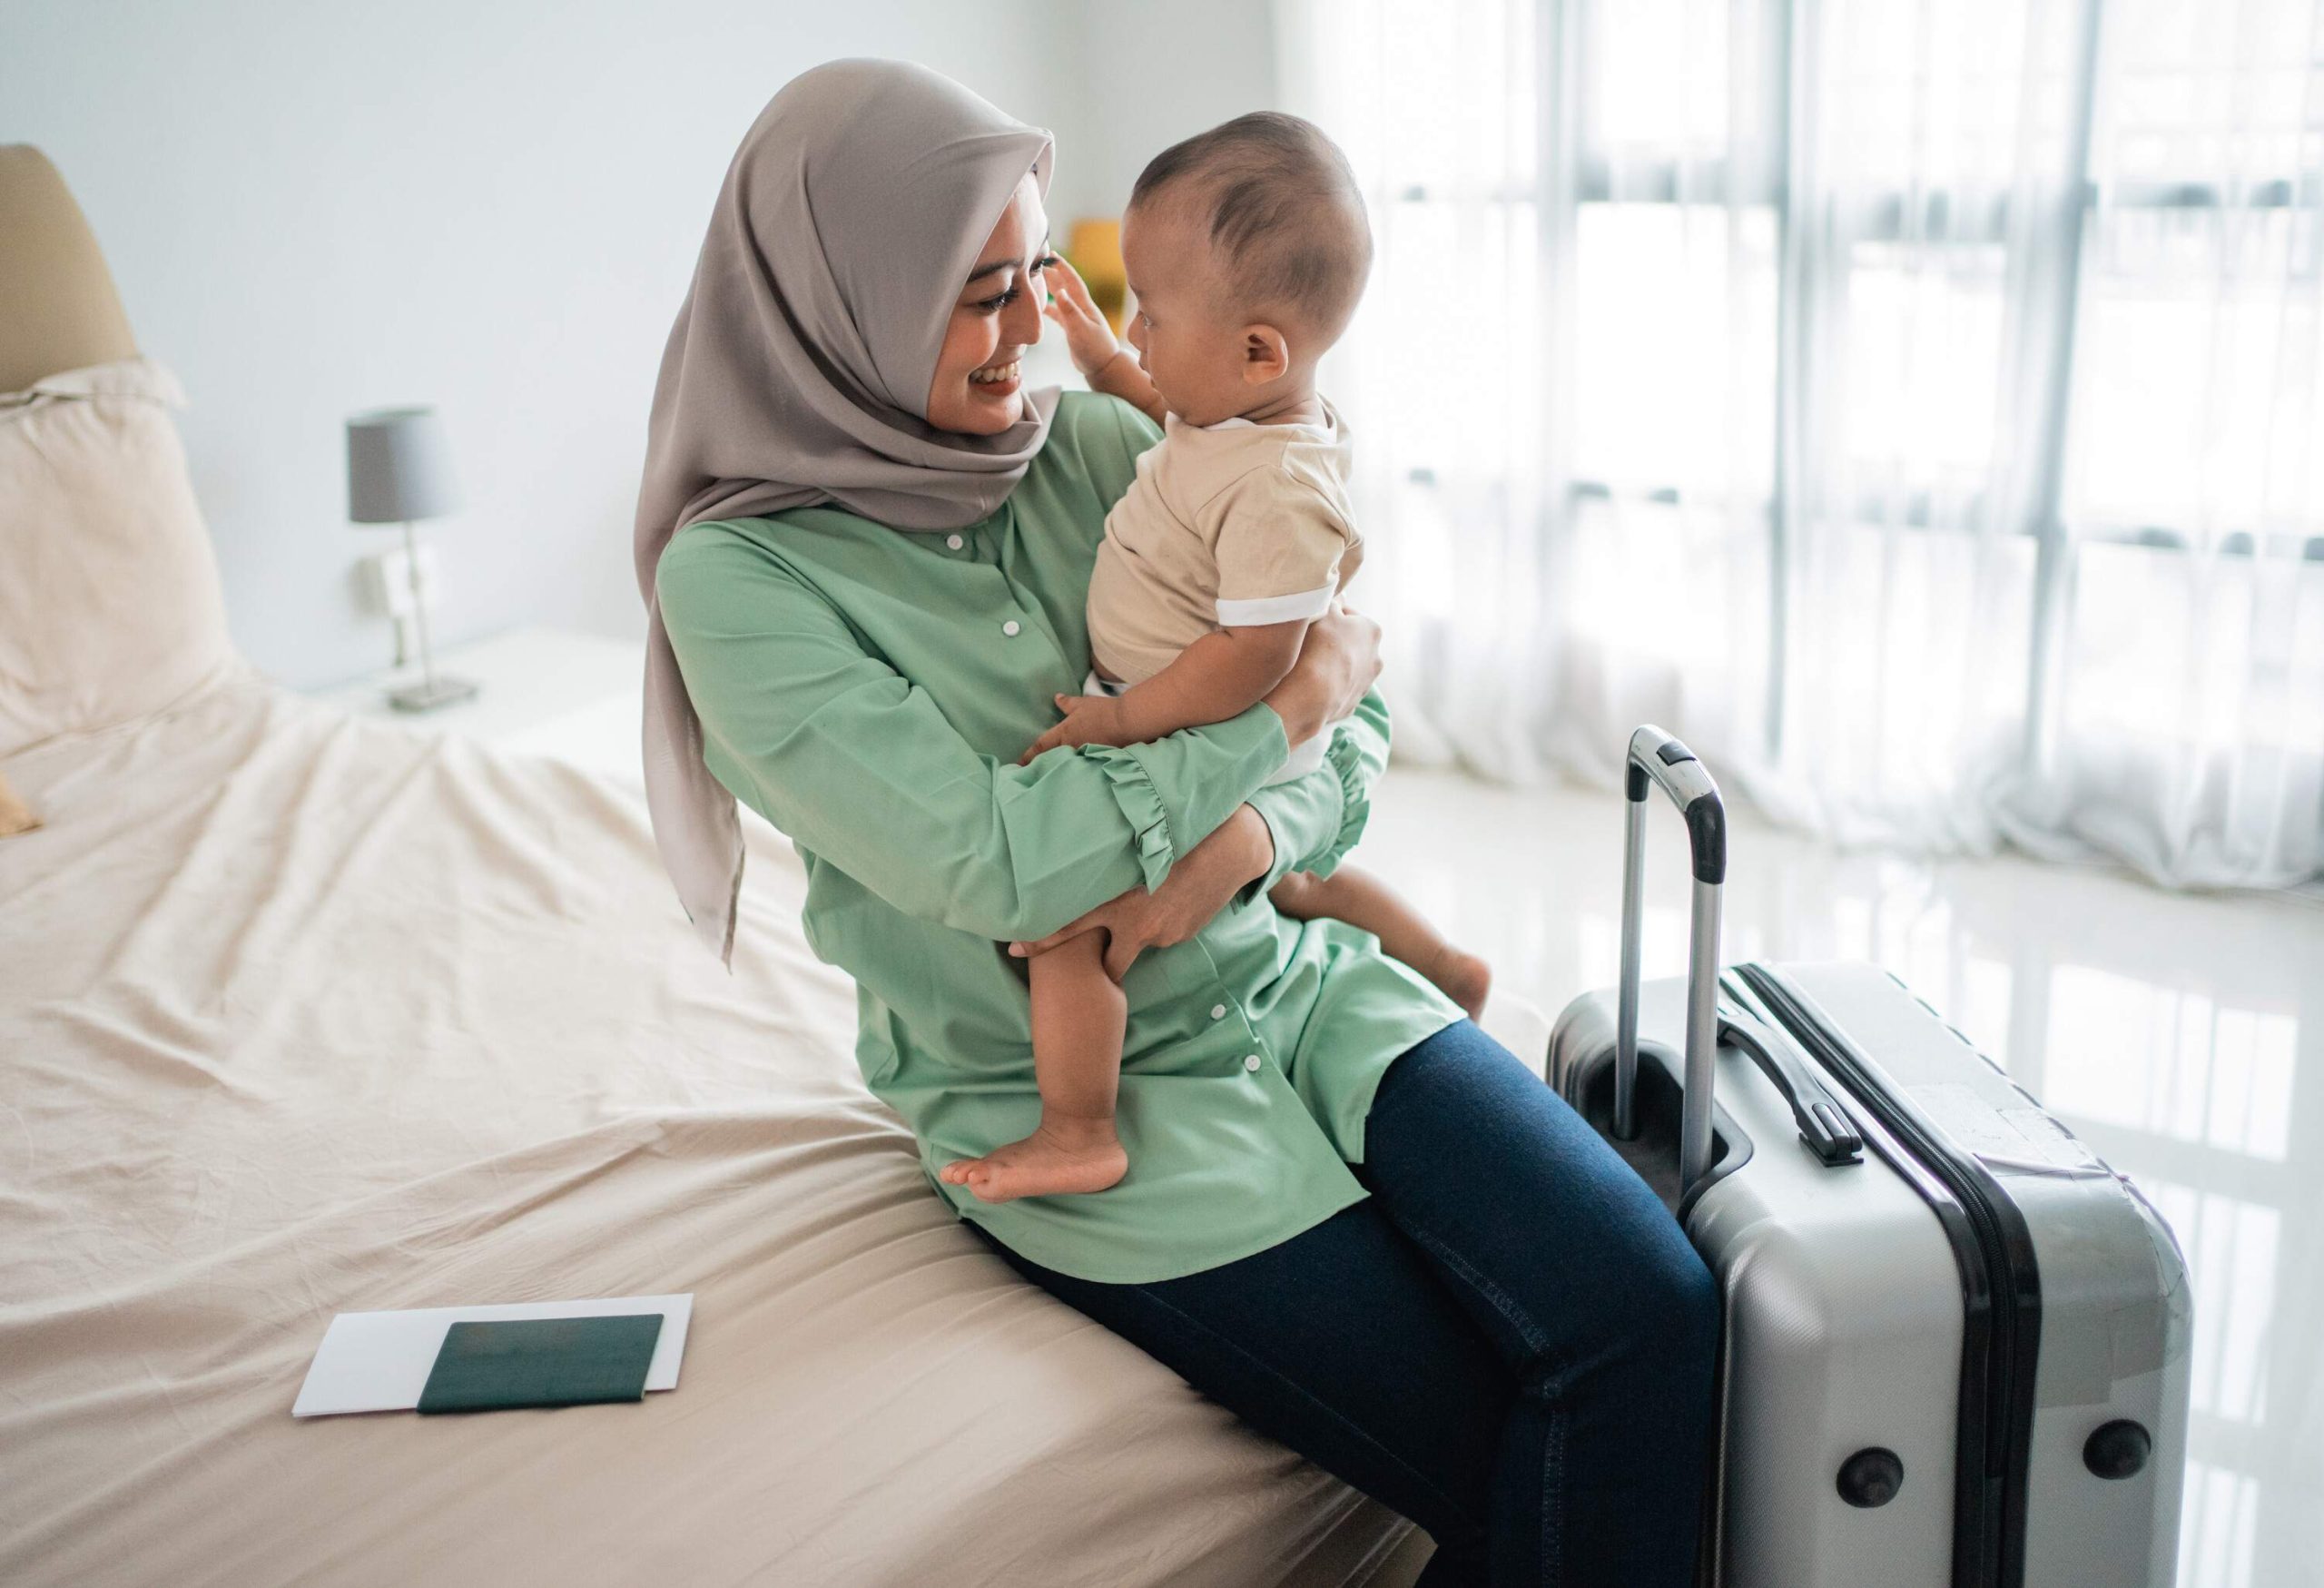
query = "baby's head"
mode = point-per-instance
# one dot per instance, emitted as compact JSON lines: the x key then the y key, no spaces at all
{"x":1247,"y":248}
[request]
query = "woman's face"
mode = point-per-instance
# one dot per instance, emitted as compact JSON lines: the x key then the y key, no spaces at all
{"x":998,"y":315}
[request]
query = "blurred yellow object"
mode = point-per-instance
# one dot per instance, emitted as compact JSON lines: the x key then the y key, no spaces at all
{"x":15,"y":816}
{"x":1095,"y":250}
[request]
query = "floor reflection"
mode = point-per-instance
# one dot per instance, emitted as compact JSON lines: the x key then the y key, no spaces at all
{"x":2182,"y":1036}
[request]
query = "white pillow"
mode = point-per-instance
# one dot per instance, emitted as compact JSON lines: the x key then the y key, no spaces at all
{"x":110,"y":606}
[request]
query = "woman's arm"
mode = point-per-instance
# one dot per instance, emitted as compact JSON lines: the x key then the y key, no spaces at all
{"x":1316,"y":819}
{"x":1307,"y":824}
{"x":856,"y":762}
{"x":1207,"y":880}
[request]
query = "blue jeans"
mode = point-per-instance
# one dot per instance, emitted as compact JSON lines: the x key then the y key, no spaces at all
{"x":1509,"y":1342}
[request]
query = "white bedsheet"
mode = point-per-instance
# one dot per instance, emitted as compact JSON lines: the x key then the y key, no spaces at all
{"x":301,"y":1014}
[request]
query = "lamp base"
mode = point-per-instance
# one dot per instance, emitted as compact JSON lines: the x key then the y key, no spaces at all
{"x":428,"y":696}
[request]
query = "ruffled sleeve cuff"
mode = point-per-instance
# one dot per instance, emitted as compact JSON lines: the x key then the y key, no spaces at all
{"x":1141,"y":807}
{"x":1316,"y":819}
{"x":1344,"y":760}
{"x":1176,"y":791}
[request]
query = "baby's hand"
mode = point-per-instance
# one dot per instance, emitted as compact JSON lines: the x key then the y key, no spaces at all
{"x":1089,"y":719}
{"x":1087,"y":337}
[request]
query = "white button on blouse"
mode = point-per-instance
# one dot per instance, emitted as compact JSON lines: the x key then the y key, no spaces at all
{"x":1250,"y":1061}
{"x":1009,"y":628}
{"x":1218,"y":1012}
{"x":954,"y":541}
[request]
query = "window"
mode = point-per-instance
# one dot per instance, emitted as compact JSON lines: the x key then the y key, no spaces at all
{"x":1916,"y":403}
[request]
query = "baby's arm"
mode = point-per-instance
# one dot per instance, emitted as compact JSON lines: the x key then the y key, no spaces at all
{"x":1220,"y":676}
{"x":1124,"y":377}
{"x":1108,"y":367}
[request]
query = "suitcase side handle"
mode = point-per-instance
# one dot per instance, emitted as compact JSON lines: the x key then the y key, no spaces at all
{"x":1823,"y":1125}
{"x":1659,"y":760}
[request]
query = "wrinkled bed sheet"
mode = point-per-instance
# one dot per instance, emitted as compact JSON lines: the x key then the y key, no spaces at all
{"x":301,"y":1014}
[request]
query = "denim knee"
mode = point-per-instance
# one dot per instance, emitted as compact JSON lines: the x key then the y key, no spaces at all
{"x":1670,"y":1309}
{"x":1694,"y":1304}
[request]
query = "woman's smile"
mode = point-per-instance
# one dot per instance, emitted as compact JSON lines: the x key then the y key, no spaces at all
{"x":999,"y":379}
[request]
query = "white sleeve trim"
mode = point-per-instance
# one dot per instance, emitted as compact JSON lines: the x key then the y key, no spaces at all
{"x":1266,"y":609}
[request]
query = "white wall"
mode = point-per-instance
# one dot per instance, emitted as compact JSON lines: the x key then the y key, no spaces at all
{"x":494,"y":206}
{"x":1156,"y":73}
{"x":490,"y":206}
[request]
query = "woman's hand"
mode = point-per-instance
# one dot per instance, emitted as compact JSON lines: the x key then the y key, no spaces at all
{"x":1205,"y":878}
{"x":1338,"y":662}
{"x":1087,"y":337}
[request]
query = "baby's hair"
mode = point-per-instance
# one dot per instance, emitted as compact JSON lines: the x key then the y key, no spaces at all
{"x":1285,"y":213}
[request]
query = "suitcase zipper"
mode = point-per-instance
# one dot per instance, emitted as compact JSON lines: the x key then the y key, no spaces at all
{"x":2000,"y":1289}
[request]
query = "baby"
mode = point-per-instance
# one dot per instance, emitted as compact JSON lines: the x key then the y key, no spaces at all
{"x":1246,"y":248}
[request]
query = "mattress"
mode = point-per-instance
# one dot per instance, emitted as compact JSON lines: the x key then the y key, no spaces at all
{"x":302,"y":1013}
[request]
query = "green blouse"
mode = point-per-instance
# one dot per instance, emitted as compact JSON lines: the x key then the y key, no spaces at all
{"x":869,"y":692}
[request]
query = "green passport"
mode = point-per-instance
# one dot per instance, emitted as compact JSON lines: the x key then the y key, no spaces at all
{"x":541,"y":1362}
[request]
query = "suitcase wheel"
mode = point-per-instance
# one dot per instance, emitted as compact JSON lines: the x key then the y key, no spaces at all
{"x":2118,"y":1449}
{"x":1871,"y":1477}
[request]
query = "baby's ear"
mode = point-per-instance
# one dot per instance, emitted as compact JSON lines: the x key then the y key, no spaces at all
{"x":1266,"y":355}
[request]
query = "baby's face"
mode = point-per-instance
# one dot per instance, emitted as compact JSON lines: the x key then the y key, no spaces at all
{"x":1184,"y":322}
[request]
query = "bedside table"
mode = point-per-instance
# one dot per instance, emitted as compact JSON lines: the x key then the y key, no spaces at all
{"x":574,"y":697}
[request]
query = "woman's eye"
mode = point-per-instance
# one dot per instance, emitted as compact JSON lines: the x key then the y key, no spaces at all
{"x":995,"y":304}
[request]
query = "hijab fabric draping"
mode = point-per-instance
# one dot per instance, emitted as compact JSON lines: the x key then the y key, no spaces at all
{"x":798,"y":371}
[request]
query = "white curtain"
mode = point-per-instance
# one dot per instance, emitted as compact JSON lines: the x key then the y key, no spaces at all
{"x":1917,"y":405}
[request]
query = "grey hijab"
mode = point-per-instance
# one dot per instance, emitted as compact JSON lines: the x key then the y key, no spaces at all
{"x":798,"y":371}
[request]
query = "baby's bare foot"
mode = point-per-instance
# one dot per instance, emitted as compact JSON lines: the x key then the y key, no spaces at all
{"x":1060,"y":1157}
{"x":1464,"y":979}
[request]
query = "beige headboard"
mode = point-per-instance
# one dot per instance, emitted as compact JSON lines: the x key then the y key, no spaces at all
{"x":58,"y":309}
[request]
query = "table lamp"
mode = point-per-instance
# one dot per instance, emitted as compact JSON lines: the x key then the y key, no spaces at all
{"x":399,"y":472}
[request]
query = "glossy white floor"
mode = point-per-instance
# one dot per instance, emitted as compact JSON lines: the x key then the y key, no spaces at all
{"x":2182,"y":1036}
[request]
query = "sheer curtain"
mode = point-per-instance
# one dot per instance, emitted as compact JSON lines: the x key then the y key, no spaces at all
{"x":1917,"y":404}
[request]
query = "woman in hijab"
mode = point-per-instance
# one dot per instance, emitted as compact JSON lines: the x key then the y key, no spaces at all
{"x":1350,"y":1216}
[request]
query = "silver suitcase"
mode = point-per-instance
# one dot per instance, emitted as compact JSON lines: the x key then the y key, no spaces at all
{"x":1956,"y":1343}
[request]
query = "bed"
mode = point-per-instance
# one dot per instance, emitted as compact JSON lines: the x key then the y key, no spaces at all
{"x":300,"y":1013}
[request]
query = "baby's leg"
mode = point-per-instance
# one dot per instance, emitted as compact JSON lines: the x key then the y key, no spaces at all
{"x":1079,"y":1016}
{"x":1363,"y":900}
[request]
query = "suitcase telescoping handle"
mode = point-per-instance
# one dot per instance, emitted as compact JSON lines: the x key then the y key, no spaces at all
{"x":1657,"y":758}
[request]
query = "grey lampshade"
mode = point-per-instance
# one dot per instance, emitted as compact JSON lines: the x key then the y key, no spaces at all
{"x":398,"y":467}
